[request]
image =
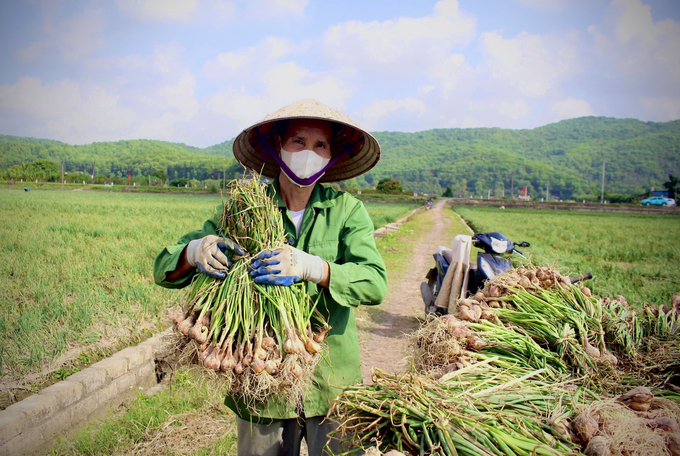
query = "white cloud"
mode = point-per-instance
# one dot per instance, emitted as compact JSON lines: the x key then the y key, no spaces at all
{"x":661,"y":109}
{"x":127,"y":63}
{"x":423,"y":90}
{"x":406,"y":44}
{"x":532,"y":63}
{"x":570,"y":108}
{"x":225,"y":64}
{"x":162,"y":128}
{"x":206,"y":12}
{"x":180,"y":96}
{"x":473,"y":122}
{"x":635,"y":22}
{"x":448,"y":71}
{"x":166,"y":58}
{"x":80,"y":34}
{"x":252,"y":60}
{"x":66,"y":110}
{"x":160,"y":10}
{"x":635,"y":54}
{"x":515,"y":110}
{"x":224,"y":8}
{"x":379,"y":109}
{"x":289,"y":81}
{"x":282,"y":84}
{"x":544,"y":4}
{"x":296,"y":7}
{"x":238,"y":105}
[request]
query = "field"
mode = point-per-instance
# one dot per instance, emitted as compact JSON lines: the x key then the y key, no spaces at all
{"x":634,"y":255}
{"x":77,"y":272}
{"x":193,"y":419}
{"x":188,"y":416}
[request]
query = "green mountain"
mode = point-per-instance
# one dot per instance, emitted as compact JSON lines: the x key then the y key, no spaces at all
{"x":224,"y":149}
{"x":139,"y":157}
{"x":566,"y":156}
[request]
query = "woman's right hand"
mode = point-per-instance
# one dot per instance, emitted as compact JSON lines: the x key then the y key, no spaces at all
{"x":207,"y":255}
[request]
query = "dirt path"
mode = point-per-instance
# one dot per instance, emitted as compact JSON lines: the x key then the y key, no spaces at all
{"x":386,"y":348}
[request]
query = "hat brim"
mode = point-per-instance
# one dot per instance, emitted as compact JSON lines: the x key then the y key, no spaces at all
{"x":356,"y":165}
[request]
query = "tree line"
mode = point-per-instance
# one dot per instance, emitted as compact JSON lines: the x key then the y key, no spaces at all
{"x":563,"y":160}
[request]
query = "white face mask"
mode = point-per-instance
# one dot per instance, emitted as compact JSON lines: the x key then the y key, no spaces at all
{"x":304,"y":163}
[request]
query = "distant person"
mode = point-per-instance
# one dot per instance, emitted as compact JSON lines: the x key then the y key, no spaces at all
{"x":330,"y":246}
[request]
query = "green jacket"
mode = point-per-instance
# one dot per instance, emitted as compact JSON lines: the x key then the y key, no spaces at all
{"x":337,"y":228}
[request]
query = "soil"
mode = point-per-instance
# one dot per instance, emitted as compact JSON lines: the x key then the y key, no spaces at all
{"x":180,"y":434}
{"x":386,"y":347}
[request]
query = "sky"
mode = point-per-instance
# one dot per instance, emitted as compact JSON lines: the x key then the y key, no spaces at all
{"x":200,"y":71}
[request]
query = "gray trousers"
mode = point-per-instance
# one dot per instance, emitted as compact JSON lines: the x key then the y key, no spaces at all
{"x":283,"y":437}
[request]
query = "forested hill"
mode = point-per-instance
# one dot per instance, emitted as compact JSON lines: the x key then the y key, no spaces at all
{"x":567,"y":156}
{"x":117,"y":159}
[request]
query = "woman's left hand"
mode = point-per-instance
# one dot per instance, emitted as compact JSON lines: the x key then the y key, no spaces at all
{"x":285,"y":266}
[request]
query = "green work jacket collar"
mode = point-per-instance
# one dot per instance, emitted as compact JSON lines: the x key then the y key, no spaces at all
{"x":318,"y":199}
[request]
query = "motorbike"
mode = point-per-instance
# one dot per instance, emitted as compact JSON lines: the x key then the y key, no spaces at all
{"x":490,"y":262}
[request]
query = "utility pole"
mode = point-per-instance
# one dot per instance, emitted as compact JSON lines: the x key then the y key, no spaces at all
{"x":62,"y":174}
{"x":602,"y":197}
{"x":547,"y":192}
{"x":512,"y":186}
{"x":93,"y":171}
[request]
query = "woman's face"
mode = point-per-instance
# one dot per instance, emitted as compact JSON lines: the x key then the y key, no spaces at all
{"x":309,"y":134}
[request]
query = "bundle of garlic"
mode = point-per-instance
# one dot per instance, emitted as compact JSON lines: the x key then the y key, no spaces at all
{"x":261,"y":339}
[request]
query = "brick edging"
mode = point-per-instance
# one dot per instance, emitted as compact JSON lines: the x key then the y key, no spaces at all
{"x":394,"y":226}
{"x":31,"y":425}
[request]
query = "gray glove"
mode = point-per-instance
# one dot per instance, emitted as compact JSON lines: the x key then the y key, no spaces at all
{"x":285,"y":266}
{"x":207,"y":254}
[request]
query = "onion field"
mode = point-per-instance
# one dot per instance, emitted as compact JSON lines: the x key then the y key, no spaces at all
{"x":634,"y":255}
{"x":76,"y":270}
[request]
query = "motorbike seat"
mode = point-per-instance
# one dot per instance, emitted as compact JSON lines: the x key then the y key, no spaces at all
{"x":446,"y":253}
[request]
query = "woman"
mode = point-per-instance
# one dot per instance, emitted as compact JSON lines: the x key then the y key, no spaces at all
{"x":330,"y":246}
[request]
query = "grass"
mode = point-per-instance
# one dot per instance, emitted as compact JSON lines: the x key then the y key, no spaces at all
{"x":384,"y":213}
{"x":155,"y":424}
{"x":79,"y":268}
{"x":634,"y":255}
{"x":373,"y":195}
{"x":77,"y":271}
{"x":114,"y":188}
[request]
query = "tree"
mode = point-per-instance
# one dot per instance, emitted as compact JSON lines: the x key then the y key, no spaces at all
{"x":181,"y":182}
{"x":390,"y":185}
{"x":43,"y":170}
{"x":448,"y":193}
{"x":672,"y":185}
{"x":160,"y":173}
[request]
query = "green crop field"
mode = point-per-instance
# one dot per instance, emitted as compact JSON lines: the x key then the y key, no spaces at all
{"x":76,"y":270}
{"x":634,"y":255}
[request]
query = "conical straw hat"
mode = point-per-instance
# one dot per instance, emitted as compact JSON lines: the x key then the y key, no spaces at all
{"x":249,"y":153}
